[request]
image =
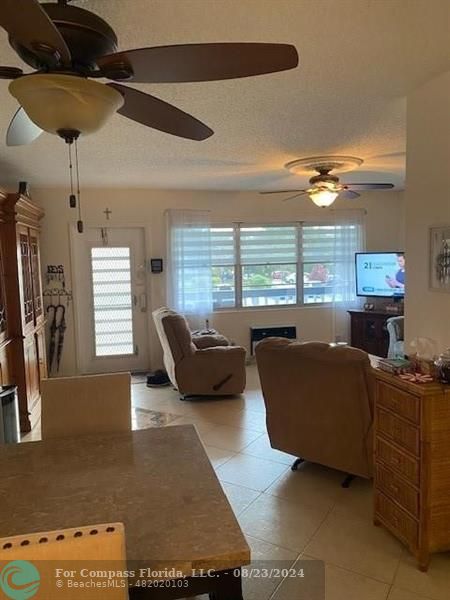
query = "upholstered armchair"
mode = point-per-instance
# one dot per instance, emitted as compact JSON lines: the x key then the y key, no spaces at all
{"x":319,"y":403}
{"x":395,"y":327}
{"x":211,"y":371}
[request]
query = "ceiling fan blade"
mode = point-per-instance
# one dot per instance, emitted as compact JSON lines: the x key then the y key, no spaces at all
{"x":282,"y":192}
{"x":302,"y":193}
{"x":22,"y":130}
{"x":348,"y":195}
{"x":158,"y":114}
{"x":28,"y":24}
{"x":10,"y":72}
{"x":369,"y":186}
{"x":198,"y":62}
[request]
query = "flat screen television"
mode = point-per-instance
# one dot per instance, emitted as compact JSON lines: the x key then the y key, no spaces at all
{"x":380,"y":274}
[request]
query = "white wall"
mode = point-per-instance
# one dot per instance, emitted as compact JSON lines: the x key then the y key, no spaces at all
{"x":427,"y":204}
{"x":384,"y":227}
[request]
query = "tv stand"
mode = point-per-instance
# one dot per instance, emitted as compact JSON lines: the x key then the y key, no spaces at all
{"x":369,"y":331}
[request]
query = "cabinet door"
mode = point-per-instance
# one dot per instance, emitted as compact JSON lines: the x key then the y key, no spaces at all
{"x":26,"y":286}
{"x":32,"y":370}
{"x":36,"y":275}
{"x":3,"y":317}
{"x":42,"y":354}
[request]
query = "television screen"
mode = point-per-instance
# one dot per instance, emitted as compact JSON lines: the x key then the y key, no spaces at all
{"x":380,"y":274}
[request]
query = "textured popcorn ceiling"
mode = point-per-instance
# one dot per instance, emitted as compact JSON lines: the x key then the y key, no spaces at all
{"x":358,"y":61}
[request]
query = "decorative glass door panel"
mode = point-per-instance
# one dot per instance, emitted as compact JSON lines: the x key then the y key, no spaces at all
{"x":112,"y":301}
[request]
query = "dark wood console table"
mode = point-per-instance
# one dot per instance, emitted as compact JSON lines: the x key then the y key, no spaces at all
{"x":369,"y":332}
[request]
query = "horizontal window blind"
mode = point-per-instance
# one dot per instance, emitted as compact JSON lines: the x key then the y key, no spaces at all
{"x":268,"y":245}
{"x":190,"y":245}
{"x":329,"y":243}
{"x":113,"y":312}
{"x":222,"y":246}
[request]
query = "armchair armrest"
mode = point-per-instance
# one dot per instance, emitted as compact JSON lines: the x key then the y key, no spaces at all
{"x":220,"y":352}
{"x":216,"y":370}
{"x":209,"y":341}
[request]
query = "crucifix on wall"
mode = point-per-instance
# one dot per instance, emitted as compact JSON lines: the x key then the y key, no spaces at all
{"x":107,"y":212}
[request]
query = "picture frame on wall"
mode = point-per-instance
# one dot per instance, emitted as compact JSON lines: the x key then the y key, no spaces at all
{"x":440,"y":258}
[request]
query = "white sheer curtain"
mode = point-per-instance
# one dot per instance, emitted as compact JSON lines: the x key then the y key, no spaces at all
{"x":189,"y":270}
{"x":348,"y":239}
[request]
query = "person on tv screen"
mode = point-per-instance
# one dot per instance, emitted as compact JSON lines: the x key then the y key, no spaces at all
{"x":398,"y":281}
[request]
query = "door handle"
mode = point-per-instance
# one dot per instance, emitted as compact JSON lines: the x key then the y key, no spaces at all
{"x":143,"y":302}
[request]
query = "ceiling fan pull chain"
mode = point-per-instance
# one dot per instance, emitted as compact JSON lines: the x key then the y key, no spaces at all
{"x":79,"y":222}
{"x":72,"y":197}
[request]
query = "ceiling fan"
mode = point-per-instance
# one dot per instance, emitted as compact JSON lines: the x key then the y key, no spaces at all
{"x":325,"y":187}
{"x":69,"y":47}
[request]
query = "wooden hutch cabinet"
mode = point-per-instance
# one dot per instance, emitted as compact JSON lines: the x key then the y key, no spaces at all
{"x":22,"y":317}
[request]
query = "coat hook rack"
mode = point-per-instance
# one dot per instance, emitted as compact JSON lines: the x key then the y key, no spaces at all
{"x":56,"y":285}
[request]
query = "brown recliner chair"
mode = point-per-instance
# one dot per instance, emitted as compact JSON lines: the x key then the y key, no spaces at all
{"x":319,"y":403}
{"x":212,"y":371}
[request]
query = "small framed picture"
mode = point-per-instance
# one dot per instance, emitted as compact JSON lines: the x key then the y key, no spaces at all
{"x":440,"y":258}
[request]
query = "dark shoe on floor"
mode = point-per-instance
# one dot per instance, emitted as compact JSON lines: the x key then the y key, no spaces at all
{"x":158,"y":379}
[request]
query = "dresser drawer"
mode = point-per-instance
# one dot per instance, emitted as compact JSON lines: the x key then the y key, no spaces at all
{"x":397,"y":460}
{"x":395,"y":488}
{"x":405,"y":405}
{"x":396,"y":519}
{"x":398,"y":430}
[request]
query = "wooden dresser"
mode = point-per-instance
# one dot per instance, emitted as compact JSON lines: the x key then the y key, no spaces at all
{"x":412,"y":463}
{"x":22,"y":316}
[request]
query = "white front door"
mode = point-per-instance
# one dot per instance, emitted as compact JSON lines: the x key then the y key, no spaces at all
{"x":111,"y":300}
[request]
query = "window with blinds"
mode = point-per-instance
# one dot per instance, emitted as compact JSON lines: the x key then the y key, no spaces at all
{"x":268,"y":259}
{"x":270,"y":265}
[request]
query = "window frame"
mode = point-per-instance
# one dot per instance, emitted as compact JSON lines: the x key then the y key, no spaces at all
{"x":300,"y":265}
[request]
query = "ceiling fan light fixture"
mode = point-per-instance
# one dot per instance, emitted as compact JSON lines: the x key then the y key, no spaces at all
{"x":323,"y":197}
{"x":57,"y":102}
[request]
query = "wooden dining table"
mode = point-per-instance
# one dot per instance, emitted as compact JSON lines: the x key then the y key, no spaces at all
{"x":159,"y":482}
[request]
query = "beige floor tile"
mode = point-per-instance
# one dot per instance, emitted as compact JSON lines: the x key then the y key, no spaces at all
{"x":229,"y":438}
{"x":265,"y":556}
{"x":148,"y":402}
{"x":218,"y":456}
{"x":264,"y":551}
{"x":399,"y":594}
{"x":435,"y":583}
{"x":143,"y":393}
{"x":249,"y":471}
{"x":239,"y":497}
{"x":357,"y":500}
{"x":254,"y":401}
{"x":245,"y":419}
{"x":340,"y":584}
{"x":280,"y":522}
{"x":355,"y":544}
{"x":261,"y":448}
{"x":201,"y":425}
{"x":219,"y":415}
{"x":312,"y":485}
{"x":172,"y":406}
{"x":216,"y":404}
